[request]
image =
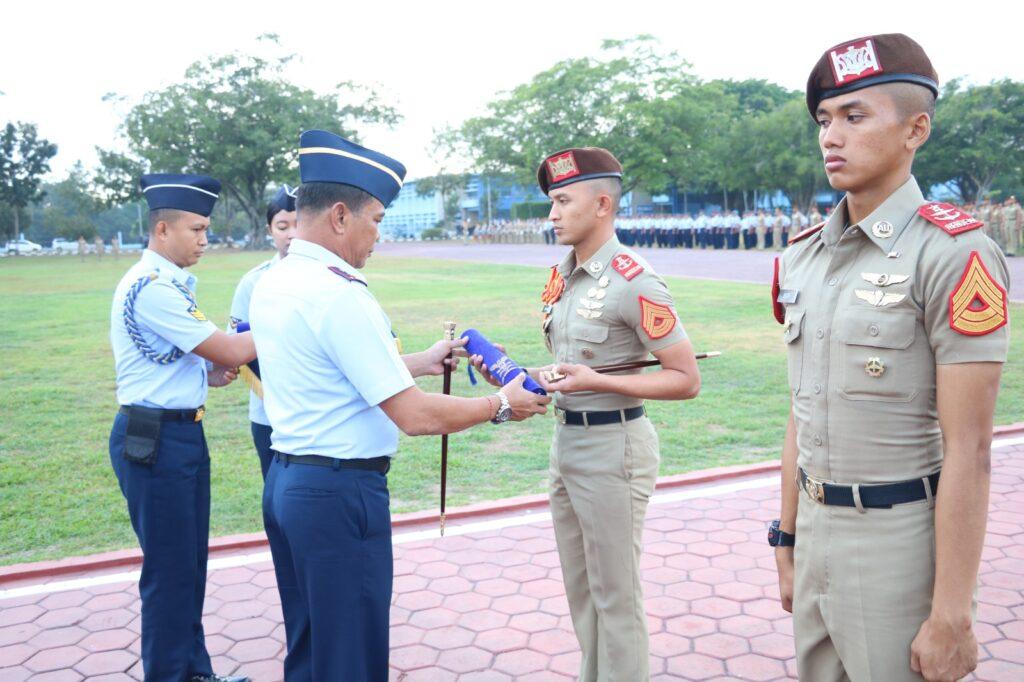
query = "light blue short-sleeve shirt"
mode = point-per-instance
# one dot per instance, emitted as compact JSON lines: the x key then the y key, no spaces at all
{"x":327,"y":356}
{"x":240,"y":313}
{"x":166,"y":320}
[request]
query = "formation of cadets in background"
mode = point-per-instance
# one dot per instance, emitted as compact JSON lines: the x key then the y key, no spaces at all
{"x":760,"y":229}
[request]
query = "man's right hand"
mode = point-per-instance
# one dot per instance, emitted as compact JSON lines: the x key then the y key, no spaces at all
{"x":784,"y":565}
{"x":524,"y":403}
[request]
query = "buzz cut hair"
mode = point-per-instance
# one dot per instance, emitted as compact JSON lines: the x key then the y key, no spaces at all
{"x":316,"y":197}
{"x":911,"y":99}
{"x":167,"y":215}
{"x":610,"y":186}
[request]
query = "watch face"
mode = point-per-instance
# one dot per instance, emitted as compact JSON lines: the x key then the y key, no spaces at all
{"x":504,"y":414}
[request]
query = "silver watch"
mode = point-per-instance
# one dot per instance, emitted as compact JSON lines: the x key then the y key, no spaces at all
{"x":504,"y":411}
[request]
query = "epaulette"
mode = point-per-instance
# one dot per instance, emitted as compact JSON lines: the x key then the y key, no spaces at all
{"x":345,"y":275}
{"x":806,"y":233}
{"x":950,"y":218}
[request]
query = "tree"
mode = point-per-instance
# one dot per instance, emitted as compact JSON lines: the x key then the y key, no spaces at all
{"x":68,"y":210}
{"x":786,"y":146}
{"x":236,"y":117}
{"x":449,"y":186}
{"x":977,"y":138}
{"x":24,"y":159}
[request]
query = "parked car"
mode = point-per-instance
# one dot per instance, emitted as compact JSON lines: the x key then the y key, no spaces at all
{"x":63,"y":246}
{"x":22,"y":246}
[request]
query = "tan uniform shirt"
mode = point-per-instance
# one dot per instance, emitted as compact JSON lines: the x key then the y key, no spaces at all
{"x":870,"y":312}
{"x":614,"y":308}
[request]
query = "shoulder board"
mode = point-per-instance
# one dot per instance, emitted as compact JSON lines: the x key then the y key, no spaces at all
{"x":626,"y":266}
{"x":806,"y":233}
{"x":950,"y":218}
{"x":344,"y":275}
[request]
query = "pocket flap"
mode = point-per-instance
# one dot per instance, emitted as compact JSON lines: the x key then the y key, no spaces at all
{"x":794,"y":322}
{"x":591,"y":332}
{"x":888,"y":329}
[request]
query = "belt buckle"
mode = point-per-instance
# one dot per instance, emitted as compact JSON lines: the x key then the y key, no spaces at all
{"x":200,"y":413}
{"x":814,"y":488}
{"x":560,"y":415}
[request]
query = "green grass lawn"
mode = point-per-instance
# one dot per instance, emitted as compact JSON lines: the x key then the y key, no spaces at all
{"x":58,"y":494}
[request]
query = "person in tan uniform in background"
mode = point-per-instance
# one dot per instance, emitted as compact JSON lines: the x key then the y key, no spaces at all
{"x":604,"y":304}
{"x":995,"y":223}
{"x":1013,"y":218}
{"x":895,"y":318}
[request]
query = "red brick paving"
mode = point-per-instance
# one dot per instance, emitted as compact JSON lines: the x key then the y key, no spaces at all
{"x":489,"y":605}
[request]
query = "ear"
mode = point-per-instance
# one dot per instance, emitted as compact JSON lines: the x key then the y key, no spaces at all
{"x":161,"y":230}
{"x":339,"y":216}
{"x":604,"y":205}
{"x":920,"y":130}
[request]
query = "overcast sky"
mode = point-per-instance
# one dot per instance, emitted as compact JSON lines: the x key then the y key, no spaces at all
{"x":441,"y":62}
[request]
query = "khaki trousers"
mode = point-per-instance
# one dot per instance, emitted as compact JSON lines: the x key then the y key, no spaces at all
{"x":862,"y":589}
{"x":601,"y":478}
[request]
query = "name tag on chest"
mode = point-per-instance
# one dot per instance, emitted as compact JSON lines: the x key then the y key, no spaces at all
{"x":788,"y":296}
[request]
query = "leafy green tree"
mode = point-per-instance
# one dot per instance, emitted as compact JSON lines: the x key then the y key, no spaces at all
{"x":24,"y":159}
{"x":69,"y":209}
{"x":236,"y":117}
{"x":977,"y":138}
{"x":450,"y":186}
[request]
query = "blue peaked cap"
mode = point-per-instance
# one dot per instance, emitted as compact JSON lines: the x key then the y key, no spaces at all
{"x":326,"y":157}
{"x":284,"y":200}
{"x":192,"y":193}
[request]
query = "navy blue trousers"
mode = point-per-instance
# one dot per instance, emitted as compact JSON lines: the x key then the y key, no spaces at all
{"x":330,"y":536}
{"x":261,"y":439}
{"x":169,"y":506}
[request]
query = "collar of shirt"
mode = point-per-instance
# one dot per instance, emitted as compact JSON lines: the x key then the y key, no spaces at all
{"x":597,"y":263}
{"x":154,"y":260}
{"x":898,"y":210}
{"x":302,"y":248}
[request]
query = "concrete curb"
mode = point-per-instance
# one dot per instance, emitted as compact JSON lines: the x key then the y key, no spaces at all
{"x":133,"y":557}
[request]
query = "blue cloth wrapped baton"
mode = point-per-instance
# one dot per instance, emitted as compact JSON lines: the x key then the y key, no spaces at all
{"x":501,"y":366}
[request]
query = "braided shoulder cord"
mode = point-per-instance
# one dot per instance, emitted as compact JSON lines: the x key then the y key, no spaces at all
{"x":132,"y":327}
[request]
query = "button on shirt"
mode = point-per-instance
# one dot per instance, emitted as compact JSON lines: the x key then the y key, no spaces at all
{"x":613,"y":330}
{"x":863,"y":350}
{"x":166,"y":320}
{"x":327,"y":357}
{"x":240,"y":313}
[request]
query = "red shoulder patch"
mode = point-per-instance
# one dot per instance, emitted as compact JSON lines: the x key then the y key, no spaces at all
{"x":656,"y":319}
{"x":806,"y":233}
{"x":777,"y":308}
{"x":554,"y":288}
{"x":949,"y":218}
{"x":977,"y":305}
{"x":626,"y":266}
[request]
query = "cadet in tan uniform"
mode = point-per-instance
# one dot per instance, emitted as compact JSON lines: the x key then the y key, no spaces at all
{"x":604,"y":304}
{"x":895,"y":318}
{"x":1012,"y":219}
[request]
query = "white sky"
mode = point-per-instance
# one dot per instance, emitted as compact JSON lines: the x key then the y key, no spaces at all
{"x":440,"y":62}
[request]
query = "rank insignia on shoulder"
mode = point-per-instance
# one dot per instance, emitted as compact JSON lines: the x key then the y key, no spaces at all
{"x":626,"y":266}
{"x":656,"y":319}
{"x":806,"y":233}
{"x":977,"y":305}
{"x":554,"y":288}
{"x":345,"y":275}
{"x":949,"y":218}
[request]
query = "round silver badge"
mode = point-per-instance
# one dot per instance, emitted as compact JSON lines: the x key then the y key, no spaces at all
{"x":883,"y":229}
{"x":596,"y":267}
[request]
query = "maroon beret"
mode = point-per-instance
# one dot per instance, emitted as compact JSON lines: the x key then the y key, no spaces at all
{"x":861,"y":63}
{"x":574,"y":165}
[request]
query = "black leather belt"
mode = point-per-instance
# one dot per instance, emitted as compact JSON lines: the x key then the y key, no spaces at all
{"x":168,"y":415}
{"x":379,"y":464}
{"x":882,"y":496}
{"x":598,"y":418}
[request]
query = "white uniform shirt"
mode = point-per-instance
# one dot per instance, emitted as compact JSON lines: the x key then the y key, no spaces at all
{"x":166,"y":320}
{"x":327,"y":357}
{"x":240,"y":313}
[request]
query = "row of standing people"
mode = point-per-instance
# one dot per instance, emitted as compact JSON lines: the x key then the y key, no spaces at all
{"x":1003,"y":222}
{"x":759,"y":229}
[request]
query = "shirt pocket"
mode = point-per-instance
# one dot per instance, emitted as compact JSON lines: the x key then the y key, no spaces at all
{"x":584,"y":336}
{"x":794,"y":323}
{"x":876,"y":358}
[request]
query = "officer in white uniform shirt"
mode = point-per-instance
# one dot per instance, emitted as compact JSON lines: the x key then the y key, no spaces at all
{"x":162,"y":345}
{"x":337,"y":392}
{"x":281,"y":228}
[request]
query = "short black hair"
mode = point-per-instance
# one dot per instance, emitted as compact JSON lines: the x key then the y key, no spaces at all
{"x":165,"y":214}
{"x":320,"y":196}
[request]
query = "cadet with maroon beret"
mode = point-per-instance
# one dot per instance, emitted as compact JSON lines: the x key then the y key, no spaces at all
{"x":895,"y":318}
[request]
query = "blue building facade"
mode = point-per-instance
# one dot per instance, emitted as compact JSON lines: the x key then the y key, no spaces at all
{"x":409,"y":214}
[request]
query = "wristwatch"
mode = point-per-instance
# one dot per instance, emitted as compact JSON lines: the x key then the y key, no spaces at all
{"x":777,"y":538}
{"x":504,"y":411}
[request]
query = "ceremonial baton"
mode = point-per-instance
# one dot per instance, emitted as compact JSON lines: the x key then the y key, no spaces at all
{"x":449,"y":335}
{"x":552,"y":376}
